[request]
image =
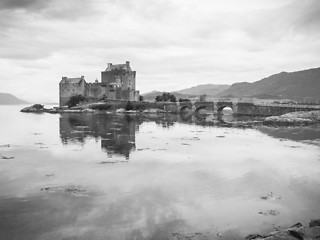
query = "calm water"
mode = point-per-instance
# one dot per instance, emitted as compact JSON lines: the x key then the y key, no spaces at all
{"x":146,"y":178}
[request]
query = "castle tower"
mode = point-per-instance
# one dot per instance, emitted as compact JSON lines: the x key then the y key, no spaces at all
{"x":69,"y":87}
{"x":120,"y":81}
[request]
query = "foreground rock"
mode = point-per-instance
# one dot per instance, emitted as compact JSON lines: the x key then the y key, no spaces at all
{"x":297,"y":231}
{"x":294,"y":118}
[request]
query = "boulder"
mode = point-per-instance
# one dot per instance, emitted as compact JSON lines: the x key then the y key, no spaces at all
{"x":120,"y":110}
{"x":281,"y":235}
{"x":154,"y":111}
{"x":88,"y":110}
{"x":254,"y":236}
{"x":314,"y":223}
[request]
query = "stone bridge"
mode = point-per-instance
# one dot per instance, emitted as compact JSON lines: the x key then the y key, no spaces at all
{"x":238,"y":108}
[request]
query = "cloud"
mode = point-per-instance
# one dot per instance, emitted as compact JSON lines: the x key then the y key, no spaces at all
{"x":32,"y":5}
{"x":188,"y":41}
{"x":295,"y":18}
{"x":307,"y":16}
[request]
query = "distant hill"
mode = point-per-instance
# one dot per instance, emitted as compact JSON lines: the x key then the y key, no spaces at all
{"x":193,"y":92}
{"x":208,"y":89}
{"x":301,"y":85}
{"x":9,"y":99}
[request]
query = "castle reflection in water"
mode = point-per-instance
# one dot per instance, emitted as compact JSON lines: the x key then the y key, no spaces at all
{"x":117,"y":132}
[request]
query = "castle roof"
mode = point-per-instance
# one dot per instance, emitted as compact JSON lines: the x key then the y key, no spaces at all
{"x":125,"y":67}
{"x":71,"y":80}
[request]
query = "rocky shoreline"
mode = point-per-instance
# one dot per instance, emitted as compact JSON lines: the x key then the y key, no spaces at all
{"x":294,"y":118}
{"x":297,"y":231}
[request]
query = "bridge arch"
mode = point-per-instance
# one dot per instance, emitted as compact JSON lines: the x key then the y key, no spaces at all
{"x":223,"y":105}
{"x":220,"y":109}
{"x":185,"y":108}
{"x":204,"y":107}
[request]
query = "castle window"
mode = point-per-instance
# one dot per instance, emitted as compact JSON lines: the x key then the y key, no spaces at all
{"x":111,"y":87}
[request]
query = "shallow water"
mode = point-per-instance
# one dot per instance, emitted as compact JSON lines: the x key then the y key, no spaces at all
{"x":149,"y":177}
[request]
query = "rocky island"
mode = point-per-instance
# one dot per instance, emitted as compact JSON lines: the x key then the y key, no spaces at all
{"x":36,"y":108}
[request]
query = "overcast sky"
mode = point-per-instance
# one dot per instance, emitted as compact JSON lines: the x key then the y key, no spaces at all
{"x":172,"y":44}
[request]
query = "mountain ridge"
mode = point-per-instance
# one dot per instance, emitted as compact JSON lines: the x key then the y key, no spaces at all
{"x":303,"y":85}
{"x":208,"y":89}
{"x":298,"y":85}
{"x":10,"y":99}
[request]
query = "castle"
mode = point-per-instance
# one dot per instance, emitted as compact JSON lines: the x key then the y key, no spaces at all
{"x":118,"y":82}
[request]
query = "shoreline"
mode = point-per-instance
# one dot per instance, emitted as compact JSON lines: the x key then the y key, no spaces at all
{"x":296,"y":231}
{"x":300,"y":118}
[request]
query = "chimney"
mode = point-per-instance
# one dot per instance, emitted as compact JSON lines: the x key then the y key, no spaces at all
{"x":82,"y":77}
{"x":109,"y":64}
{"x":127,"y":64}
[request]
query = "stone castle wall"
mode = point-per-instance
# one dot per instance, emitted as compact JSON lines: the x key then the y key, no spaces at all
{"x":95,"y":90}
{"x":69,"y":89}
{"x":119,"y":83}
